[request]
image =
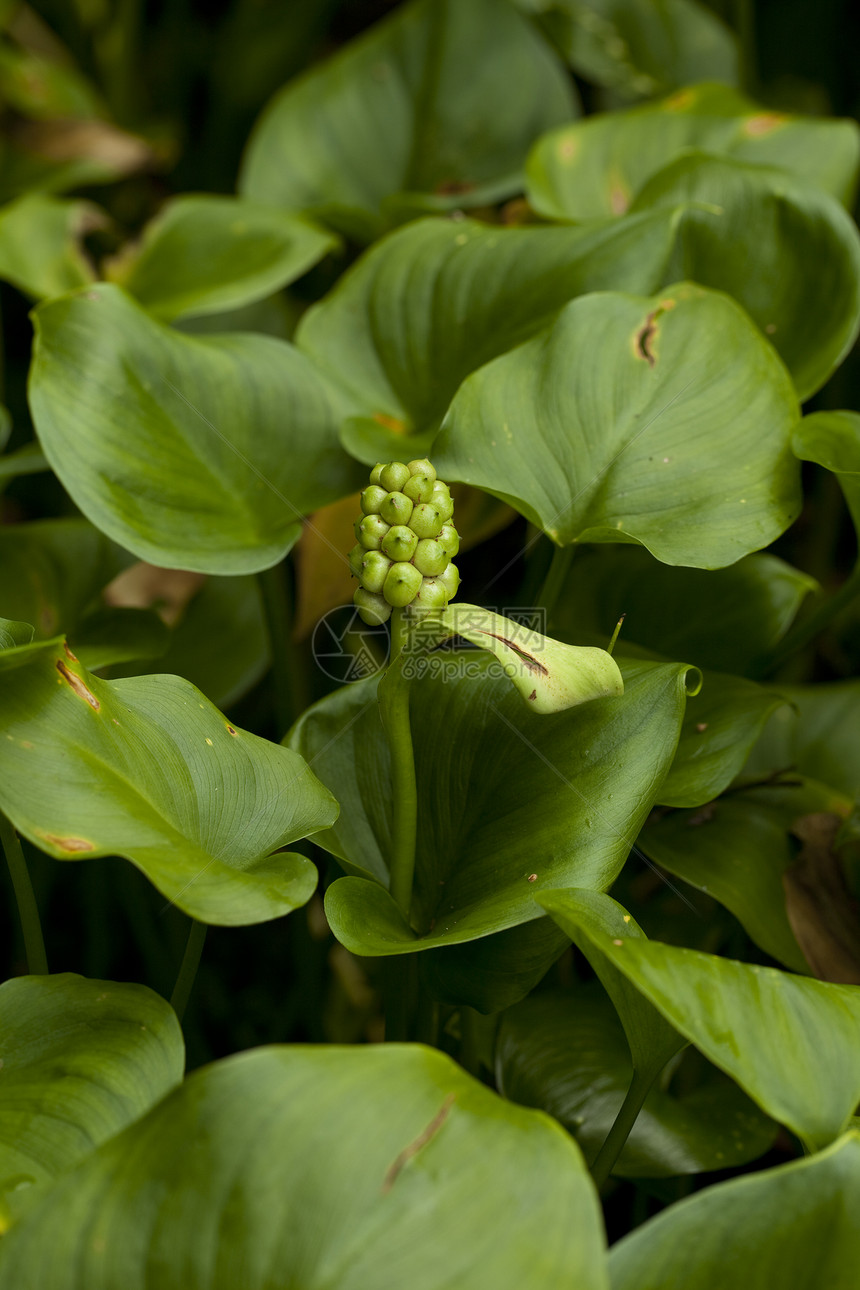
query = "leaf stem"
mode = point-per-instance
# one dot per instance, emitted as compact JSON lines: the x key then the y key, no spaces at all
{"x":619,"y":1133}
{"x":562,"y":557}
{"x":811,"y":626}
{"x":395,"y":716}
{"x":28,"y":910}
{"x":188,"y":968}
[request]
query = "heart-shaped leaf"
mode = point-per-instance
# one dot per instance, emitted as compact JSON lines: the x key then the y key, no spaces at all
{"x":436,"y":299}
{"x":148,"y":769}
{"x":805,"y":292}
{"x":738,"y":850}
{"x":791,"y":1226}
{"x":81,"y":1060}
{"x":509,"y":802}
{"x":203,"y":254}
{"x":407,"y":107}
{"x":594,"y":168}
{"x":40,"y":249}
{"x":637,"y":47}
{"x":365,"y":1168}
{"x":195,"y":453}
{"x":662,"y":421}
{"x":567,"y":1054}
{"x":745,"y":1019}
{"x":815,"y":735}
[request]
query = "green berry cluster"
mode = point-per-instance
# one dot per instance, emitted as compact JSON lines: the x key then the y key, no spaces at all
{"x":405,"y":542}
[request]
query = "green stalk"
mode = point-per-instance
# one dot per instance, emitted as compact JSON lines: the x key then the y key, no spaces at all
{"x":553,"y":586}
{"x":188,"y":968}
{"x":811,"y":626}
{"x":620,"y":1131}
{"x":28,"y":910}
{"x":395,"y":711}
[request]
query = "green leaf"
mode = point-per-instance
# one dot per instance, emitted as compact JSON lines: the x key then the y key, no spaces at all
{"x":203,"y":254}
{"x":749,"y":1020}
{"x":433,"y":301}
{"x":805,"y":291}
{"x":13,"y":634}
{"x":832,"y":440}
{"x":549,"y":675}
{"x":790,"y":1226}
{"x":193,"y":453}
{"x":494,"y":972}
{"x":589,"y":918}
{"x":817,"y":736}
{"x":81,"y":1060}
{"x":738,"y":849}
{"x":503,"y":794}
{"x":719,"y":619}
{"x":40,"y":244}
{"x":149,"y":769}
{"x":409,"y":108}
{"x":27,"y":460}
{"x":567,"y":1055}
{"x":595,"y":168}
{"x":721,"y":725}
{"x":662,"y":421}
{"x":639,"y":47}
{"x":363,"y":1168}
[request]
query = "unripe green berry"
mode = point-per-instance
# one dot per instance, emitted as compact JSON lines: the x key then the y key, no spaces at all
{"x":430,"y":557}
{"x":399,"y":543}
{"x":374,"y":568}
{"x":419,"y":488}
{"x":450,"y":580}
{"x":372,"y":499}
{"x":426,"y":520}
{"x":401,"y":584}
{"x":396,"y":508}
{"x":431,"y":595}
{"x":355,"y":558}
{"x":422,"y":466}
{"x":393,"y":476}
{"x":370,"y":531}
{"x":442,"y":500}
{"x":372,"y":609}
{"x":376,"y":472}
{"x":449,"y":539}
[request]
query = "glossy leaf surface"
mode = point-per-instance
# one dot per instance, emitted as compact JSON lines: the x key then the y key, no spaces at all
{"x":437,"y":299}
{"x":148,"y":769}
{"x":40,"y":249}
{"x":193,"y":453}
{"x":746,"y":1018}
{"x":503,"y":793}
{"x":408,"y":107}
{"x":205,"y":254}
{"x":832,"y":439}
{"x":365,"y":1168}
{"x":595,"y":168}
{"x":662,"y":421}
{"x":791,"y":1226}
{"x":81,"y":1060}
{"x":567,"y":1054}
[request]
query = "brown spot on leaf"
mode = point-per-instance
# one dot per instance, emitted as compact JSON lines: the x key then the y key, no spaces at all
{"x":528,"y":660}
{"x":77,"y":685}
{"x":645,"y":337}
{"x":230,"y":730}
{"x":67,"y":844}
{"x":764,"y":123}
{"x":532,"y":877}
{"x":390,"y":423}
{"x":701,"y":726}
{"x":533,"y":695}
{"x":421,"y":1141}
{"x":451,"y":187}
{"x":69,"y":653}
